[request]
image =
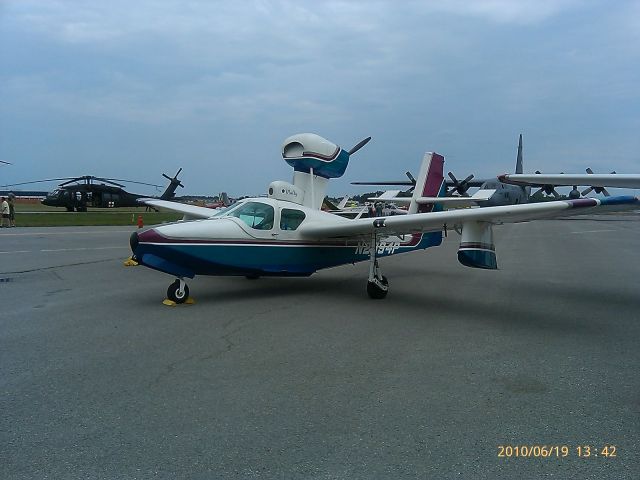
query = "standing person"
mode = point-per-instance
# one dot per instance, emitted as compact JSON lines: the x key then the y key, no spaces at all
{"x":12,"y":210}
{"x":378,"y":209}
{"x":4,"y":208}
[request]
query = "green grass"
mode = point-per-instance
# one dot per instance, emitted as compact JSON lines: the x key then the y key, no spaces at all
{"x":37,"y":215}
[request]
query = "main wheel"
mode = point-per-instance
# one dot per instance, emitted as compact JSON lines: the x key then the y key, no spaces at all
{"x":174,"y":294}
{"x":375,"y":292}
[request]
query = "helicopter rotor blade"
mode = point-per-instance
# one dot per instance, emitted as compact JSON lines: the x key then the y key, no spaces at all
{"x":36,"y":181}
{"x":113,"y":180}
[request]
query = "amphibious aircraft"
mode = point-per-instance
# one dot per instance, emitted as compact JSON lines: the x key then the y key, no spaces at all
{"x":286,"y":233}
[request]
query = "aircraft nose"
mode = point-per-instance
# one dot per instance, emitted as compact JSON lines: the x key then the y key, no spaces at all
{"x":134,"y":241}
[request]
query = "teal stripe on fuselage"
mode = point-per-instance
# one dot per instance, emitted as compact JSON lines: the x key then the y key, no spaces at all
{"x":241,"y":259}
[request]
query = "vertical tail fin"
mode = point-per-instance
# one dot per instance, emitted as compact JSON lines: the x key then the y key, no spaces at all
{"x":519,"y":157}
{"x":430,"y":183}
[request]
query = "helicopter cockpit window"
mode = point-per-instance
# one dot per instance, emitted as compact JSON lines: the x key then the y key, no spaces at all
{"x":291,"y":219}
{"x":256,"y":215}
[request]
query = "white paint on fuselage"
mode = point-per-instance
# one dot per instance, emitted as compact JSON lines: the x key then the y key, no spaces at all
{"x":225,"y":227}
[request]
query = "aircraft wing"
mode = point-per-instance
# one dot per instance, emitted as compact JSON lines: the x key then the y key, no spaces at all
{"x":434,"y":221}
{"x":190,"y":211}
{"x":618,"y":180}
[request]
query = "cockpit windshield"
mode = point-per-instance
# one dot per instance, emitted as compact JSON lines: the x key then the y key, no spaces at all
{"x":255,"y":214}
{"x":223,"y":211}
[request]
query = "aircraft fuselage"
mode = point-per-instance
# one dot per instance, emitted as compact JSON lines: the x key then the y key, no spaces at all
{"x":258,"y":237}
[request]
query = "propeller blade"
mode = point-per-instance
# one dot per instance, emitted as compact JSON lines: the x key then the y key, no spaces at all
{"x":453,"y":178}
{"x":408,"y":174}
{"x":605,"y":192}
{"x":468,"y":179}
{"x":587,"y":191}
{"x":359,"y":145}
{"x":589,"y":171}
{"x":554,"y":193}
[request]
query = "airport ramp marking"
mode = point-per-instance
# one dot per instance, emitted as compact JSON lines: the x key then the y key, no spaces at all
{"x":53,"y":250}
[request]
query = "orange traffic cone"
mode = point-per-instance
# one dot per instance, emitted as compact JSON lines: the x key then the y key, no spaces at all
{"x":140,"y":223}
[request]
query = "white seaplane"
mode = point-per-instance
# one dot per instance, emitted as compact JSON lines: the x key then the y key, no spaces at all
{"x":286,"y":233}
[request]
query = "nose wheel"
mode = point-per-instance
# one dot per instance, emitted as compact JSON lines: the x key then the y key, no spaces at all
{"x":178,"y":291}
{"x":377,"y":284}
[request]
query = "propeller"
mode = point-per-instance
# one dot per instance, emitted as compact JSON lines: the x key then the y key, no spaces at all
{"x":598,"y":190}
{"x":460,"y":187}
{"x":6,"y":163}
{"x":412,"y":180}
{"x":359,"y":145}
{"x":548,"y":189}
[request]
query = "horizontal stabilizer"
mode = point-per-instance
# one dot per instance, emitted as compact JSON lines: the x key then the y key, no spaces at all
{"x":388,"y":195}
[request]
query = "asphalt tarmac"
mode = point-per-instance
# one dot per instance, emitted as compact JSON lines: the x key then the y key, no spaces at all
{"x":308,"y":378}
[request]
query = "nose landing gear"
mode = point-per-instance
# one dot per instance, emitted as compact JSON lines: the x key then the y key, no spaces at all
{"x":178,"y":291}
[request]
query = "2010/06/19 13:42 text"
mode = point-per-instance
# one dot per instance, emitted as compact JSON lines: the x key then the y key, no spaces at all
{"x":557,"y":451}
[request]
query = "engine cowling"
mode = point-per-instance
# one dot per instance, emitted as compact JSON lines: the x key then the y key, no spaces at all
{"x":477,"y":249}
{"x":308,"y":151}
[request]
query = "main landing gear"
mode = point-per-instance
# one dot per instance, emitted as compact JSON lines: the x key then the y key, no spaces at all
{"x":178,"y":291}
{"x":377,"y":285}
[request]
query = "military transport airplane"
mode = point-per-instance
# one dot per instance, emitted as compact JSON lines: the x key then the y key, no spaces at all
{"x":286,"y":233}
{"x":501,"y":193}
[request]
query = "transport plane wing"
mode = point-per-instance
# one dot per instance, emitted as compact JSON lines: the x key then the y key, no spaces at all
{"x":189,"y":211}
{"x":615,"y":180}
{"x":435,"y":221}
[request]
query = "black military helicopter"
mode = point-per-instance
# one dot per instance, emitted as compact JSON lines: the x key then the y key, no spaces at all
{"x":78,"y":193}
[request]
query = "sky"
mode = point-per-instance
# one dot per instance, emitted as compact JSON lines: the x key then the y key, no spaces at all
{"x":134,"y":89}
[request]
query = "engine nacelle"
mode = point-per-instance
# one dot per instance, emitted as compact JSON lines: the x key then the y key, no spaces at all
{"x":280,"y":190}
{"x":476,"y":246}
{"x":308,"y":151}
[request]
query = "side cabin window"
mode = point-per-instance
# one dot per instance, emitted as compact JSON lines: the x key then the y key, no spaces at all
{"x":291,"y":219}
{"x":256,"y":215}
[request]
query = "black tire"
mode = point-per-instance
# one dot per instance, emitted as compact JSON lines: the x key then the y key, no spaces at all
{"x":375,"y":292}
{"x":173,"y":292}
